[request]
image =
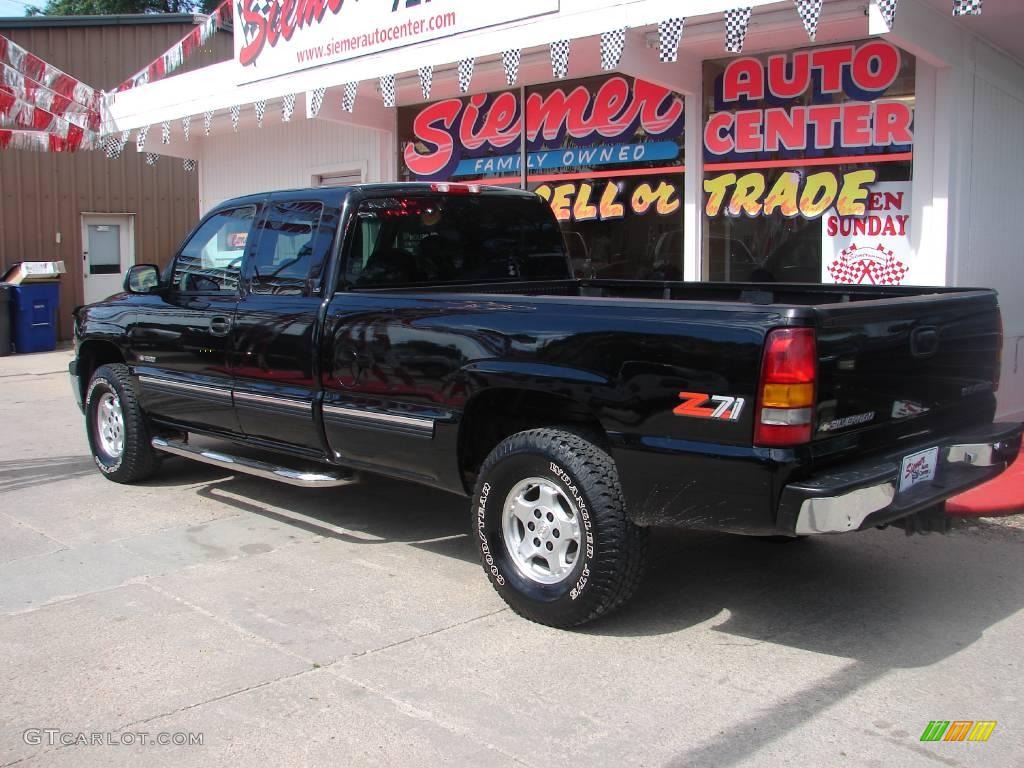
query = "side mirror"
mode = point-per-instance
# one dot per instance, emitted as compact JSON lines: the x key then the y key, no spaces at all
{"x":142,"y":278}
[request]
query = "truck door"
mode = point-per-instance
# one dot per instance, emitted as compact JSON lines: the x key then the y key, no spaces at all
{"x":273,"y":351}
{"x":180,"y":339}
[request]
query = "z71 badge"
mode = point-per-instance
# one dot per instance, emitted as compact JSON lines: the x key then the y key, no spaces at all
{"x":704,"y":406}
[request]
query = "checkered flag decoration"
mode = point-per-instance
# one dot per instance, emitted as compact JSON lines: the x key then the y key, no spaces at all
{"x":140,"y":138}
{"x":967,"y":7}
{"x":559,"y":59}
{"x":888,"y":10}
{"x":112,"y":146}
{"x":316,"y":100}
{"x":207,"y":122}
{"x":165,"y":132}
{"x":150,"y":158}
{"x":287,"y":108}
{"x":188,"y":164}
{"x":261,"y":111}
{"x":613,"y":43}
{"x":348,"y":96}
{"x":235,"y":112}
{"x":186,"y":126}
{"x":465,"y":74}
{"x":670,"y":33}
{"x":510,"y":61}
{"x":387,"y":90}
{"x":736,"y":21}
{"x":875,"y":266}
{"x":426,"y":80}
{"x":809,"y":12}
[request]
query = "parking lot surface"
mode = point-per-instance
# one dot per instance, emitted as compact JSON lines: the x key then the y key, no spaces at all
{"x":354,"y":626}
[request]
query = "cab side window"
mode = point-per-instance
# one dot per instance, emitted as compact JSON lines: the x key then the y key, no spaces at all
{"x":211,"y":260}
{"x":294,"y":243}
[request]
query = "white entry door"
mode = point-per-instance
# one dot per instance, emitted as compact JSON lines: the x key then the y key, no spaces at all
{"x":108,"y":249}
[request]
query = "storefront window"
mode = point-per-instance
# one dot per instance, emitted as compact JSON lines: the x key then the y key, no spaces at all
{"x":807,"y":165}
{"x":605,"y":152}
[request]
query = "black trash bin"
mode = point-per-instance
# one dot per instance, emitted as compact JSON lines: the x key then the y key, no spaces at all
{"x":6,"y":291}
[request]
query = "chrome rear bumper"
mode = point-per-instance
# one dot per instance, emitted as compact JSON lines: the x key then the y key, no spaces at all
{"x":863,"y":496}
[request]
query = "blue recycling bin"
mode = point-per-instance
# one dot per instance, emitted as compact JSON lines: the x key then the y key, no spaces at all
{"x":34,"y":316}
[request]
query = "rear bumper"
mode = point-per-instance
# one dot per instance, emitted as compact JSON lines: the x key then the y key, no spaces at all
{"x":860,"y":496}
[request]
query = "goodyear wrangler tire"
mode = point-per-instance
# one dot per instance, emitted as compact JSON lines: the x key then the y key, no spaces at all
{"x":117,"y":428}
{"x":551,"y":526}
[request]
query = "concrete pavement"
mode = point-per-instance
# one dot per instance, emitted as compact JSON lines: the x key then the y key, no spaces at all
{"x":354,"y":627}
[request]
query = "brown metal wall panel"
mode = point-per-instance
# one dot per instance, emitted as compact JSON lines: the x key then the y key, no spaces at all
{"x":42,"y":194}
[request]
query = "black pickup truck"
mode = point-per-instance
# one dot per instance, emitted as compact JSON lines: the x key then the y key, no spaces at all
{"x":435,"y":333}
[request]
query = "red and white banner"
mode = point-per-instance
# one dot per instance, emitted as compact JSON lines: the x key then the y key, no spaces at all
{"x":273,"y":37}
{"x":45,"y":141}
{"x":61,"y":83}
{"x":28,"y":90}
{"x":176,"y":55}
{"x":15,"y":113}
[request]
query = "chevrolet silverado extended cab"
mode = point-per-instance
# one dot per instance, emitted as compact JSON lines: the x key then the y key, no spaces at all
{"x":436,"y":334}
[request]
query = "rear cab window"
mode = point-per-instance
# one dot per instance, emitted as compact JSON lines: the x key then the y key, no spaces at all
{"x":418,"y":239}
{"x":293,"y":246}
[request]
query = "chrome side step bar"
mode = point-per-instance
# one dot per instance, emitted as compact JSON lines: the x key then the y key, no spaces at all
{"x":248,"y":466}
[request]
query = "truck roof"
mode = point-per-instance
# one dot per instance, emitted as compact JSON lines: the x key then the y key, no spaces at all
{"x":335,"y":194}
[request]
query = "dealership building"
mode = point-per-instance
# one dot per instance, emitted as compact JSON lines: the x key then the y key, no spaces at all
{"x":878,"y":142}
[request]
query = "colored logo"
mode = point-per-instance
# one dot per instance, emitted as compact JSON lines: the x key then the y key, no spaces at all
{"x":958,"y":730}
{"x":877,"y":266}
{"x":705,"y":406}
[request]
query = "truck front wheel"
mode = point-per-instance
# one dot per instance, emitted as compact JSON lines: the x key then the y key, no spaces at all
{"x":118,"y":432}
{"x":550,"y":523}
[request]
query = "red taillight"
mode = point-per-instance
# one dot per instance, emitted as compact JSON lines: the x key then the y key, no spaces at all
{"x":785,"y":395}
{"x":455,"y":189}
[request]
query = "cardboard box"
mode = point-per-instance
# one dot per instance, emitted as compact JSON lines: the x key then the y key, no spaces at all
{"x":34,"y":271}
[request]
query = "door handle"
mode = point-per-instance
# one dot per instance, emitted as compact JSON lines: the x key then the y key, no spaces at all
{"x":220,"y":326}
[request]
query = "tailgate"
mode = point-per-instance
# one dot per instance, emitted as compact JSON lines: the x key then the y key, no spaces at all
{"x":905,"y":367}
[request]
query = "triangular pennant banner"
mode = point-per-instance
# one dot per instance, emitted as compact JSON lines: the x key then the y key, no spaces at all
{"x":426,"y":80}
{"x":316,"y":100}
{"x":287,"y":108}
{"x":140,"y":138}
{"x":188,"y":164}
{"x":736,"y":21}
{"x":150,"y":158}
{"x":387,"y":90}
{"x":186,"y":126}
{"x":560,"y":59}
{"x":348,"y":98}
{"x":207,"y":122}
{"x":111,"y":146}
{"x":165,"y":132}
{"x":235,"y":112}
{"x":967,"y":7}
{"x":613,"y":43}
{"x":888,"y":10}
{"x":670,"y":32}
{"x":510,"y":61}
{"x":465,"y":74}
{"x":261,"y":111}
{"x":809,"y":12}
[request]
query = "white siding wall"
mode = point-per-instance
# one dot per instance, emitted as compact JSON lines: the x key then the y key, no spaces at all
{"x":991,"y":204}
{"x":287,"y":155}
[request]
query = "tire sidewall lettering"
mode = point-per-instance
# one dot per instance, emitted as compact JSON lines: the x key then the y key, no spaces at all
{"x":487,"y":524}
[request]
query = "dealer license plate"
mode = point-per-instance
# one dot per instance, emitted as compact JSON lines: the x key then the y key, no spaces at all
{"x":918,"y":468}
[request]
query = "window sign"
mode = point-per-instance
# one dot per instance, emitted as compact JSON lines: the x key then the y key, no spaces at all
{"x":799,"y":143}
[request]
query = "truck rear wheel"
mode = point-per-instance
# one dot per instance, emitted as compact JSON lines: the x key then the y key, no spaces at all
{"x":118,"y":433}
{"x":551,"y":526}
